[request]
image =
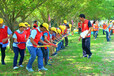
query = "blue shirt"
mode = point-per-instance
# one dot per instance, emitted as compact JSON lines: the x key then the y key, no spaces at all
{"x":9,"y":33}
{"x":15,"y":36}
{"x":33,"y":35}
{"x":110,"y":25}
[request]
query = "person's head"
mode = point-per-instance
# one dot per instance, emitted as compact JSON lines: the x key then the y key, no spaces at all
{"x":27,"y":24}
{"x":110,"y":21}
{"x":113,"y":22}
{"x":1,"y":22}
{"x":103,"y":22}
{"x":35,"y":22}
{"x":53,"y":30}
{"x":58,"y":31}
{"x":82,"y":17}
{"x":44,"y":27}
{"x":67,"y":26}
{"x":94,"y":21}
{"x":22,"y":26}
{"x":65,"y":21}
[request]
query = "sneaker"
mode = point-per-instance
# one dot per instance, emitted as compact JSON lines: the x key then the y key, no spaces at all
{"x":54,"y":54}
{"x":21,"y":66}
{"x":30,"y":70}
{"x":15,"y":67}
{"x":89,"y":56}
{"x":45,"y":69}
{"x":84,"y":56}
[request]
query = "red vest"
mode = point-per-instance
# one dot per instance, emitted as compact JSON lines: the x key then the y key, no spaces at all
{"x":21,"y":38}
{"x":95,"y":27}
{"x":48,"y":38}
{"x":27,"y":33}
{"x":86,"y":27}
{"x":37,"y":37}
{"x":3,"y":34}
{"x":104,"y":26}
{"x":79,"y":25}
{"x":65,"y":32}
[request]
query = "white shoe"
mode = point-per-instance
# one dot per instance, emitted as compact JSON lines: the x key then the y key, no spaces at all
{"x":15,"y":67}
{"x":45,"y":69}
{"x":21,"y":66}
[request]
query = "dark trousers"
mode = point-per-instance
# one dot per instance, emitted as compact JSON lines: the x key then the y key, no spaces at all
{"x":107,"y":36}
{"x":86,"y":46}
{"x":2,"y":53}
{"x":62,"y":44}
{"x":45,"y":55}
{"x":16,"y":51}
{"x":103,"y":32}
{"x":79,"y":30}
{"x":66,"y":41}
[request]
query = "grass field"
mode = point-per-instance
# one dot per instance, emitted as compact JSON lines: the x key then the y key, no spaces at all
{"x":69,"y":62}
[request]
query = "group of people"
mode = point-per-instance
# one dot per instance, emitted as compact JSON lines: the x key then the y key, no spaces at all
{"x":107,"y":28}
{"x":38,"y":41}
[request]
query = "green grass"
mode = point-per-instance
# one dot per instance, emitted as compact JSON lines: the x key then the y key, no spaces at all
{"x":69,"y":62}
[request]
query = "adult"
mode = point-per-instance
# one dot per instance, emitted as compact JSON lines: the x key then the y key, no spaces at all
{"x":19,"y":44}
{"x":4,"y":32}
{"x":86,"y":26}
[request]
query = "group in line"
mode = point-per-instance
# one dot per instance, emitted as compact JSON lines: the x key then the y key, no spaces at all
{"x":38,"y":41}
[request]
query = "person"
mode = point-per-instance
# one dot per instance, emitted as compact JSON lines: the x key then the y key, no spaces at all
{"x":19,"y":38}
{"x":65,"y":22}
{"x":107,"y":29}
{"x":104,"y":27}
{"x":28,"y":30}
{"x":46,"y":38}
{"x":35,"y":38}
{"x":35,"y":25}
{"x":95,"y":29}
{"x":86,"y":25}
{"x":62,"y":28}
{"x":65,"y":33}
{"x":79,"y":27}
{"x":4,"y":32}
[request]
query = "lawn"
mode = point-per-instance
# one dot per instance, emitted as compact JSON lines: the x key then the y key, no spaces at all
{"x":69,"y":62}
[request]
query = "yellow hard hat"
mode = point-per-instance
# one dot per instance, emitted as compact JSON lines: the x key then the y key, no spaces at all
{"x":70,"y":25}
{"x":22,"y":24}
{"x":110,"y":20}
{"x":65,"y":21}
{"x":103,"y":22}
{"x":27,"y":24}
{"x":46,"y":26}
{"x":62,"y":28}
{"x":59,"y":31}
{"x":1,"y":20}
{"x":54,"y":29}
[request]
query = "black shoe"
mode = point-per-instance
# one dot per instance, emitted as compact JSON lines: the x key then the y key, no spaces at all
{"x":3,"y":63}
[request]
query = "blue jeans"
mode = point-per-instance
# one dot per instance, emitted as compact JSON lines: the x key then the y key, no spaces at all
{"x":35,"y":52}
{"x":86,"y":46}
{"x":107,"y":36}
{"x":66,"y":41}
{"x":95,"y":34}
{"x":16,"y":51}
{"x":103,"y":32}
{"x":3,"y":53}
